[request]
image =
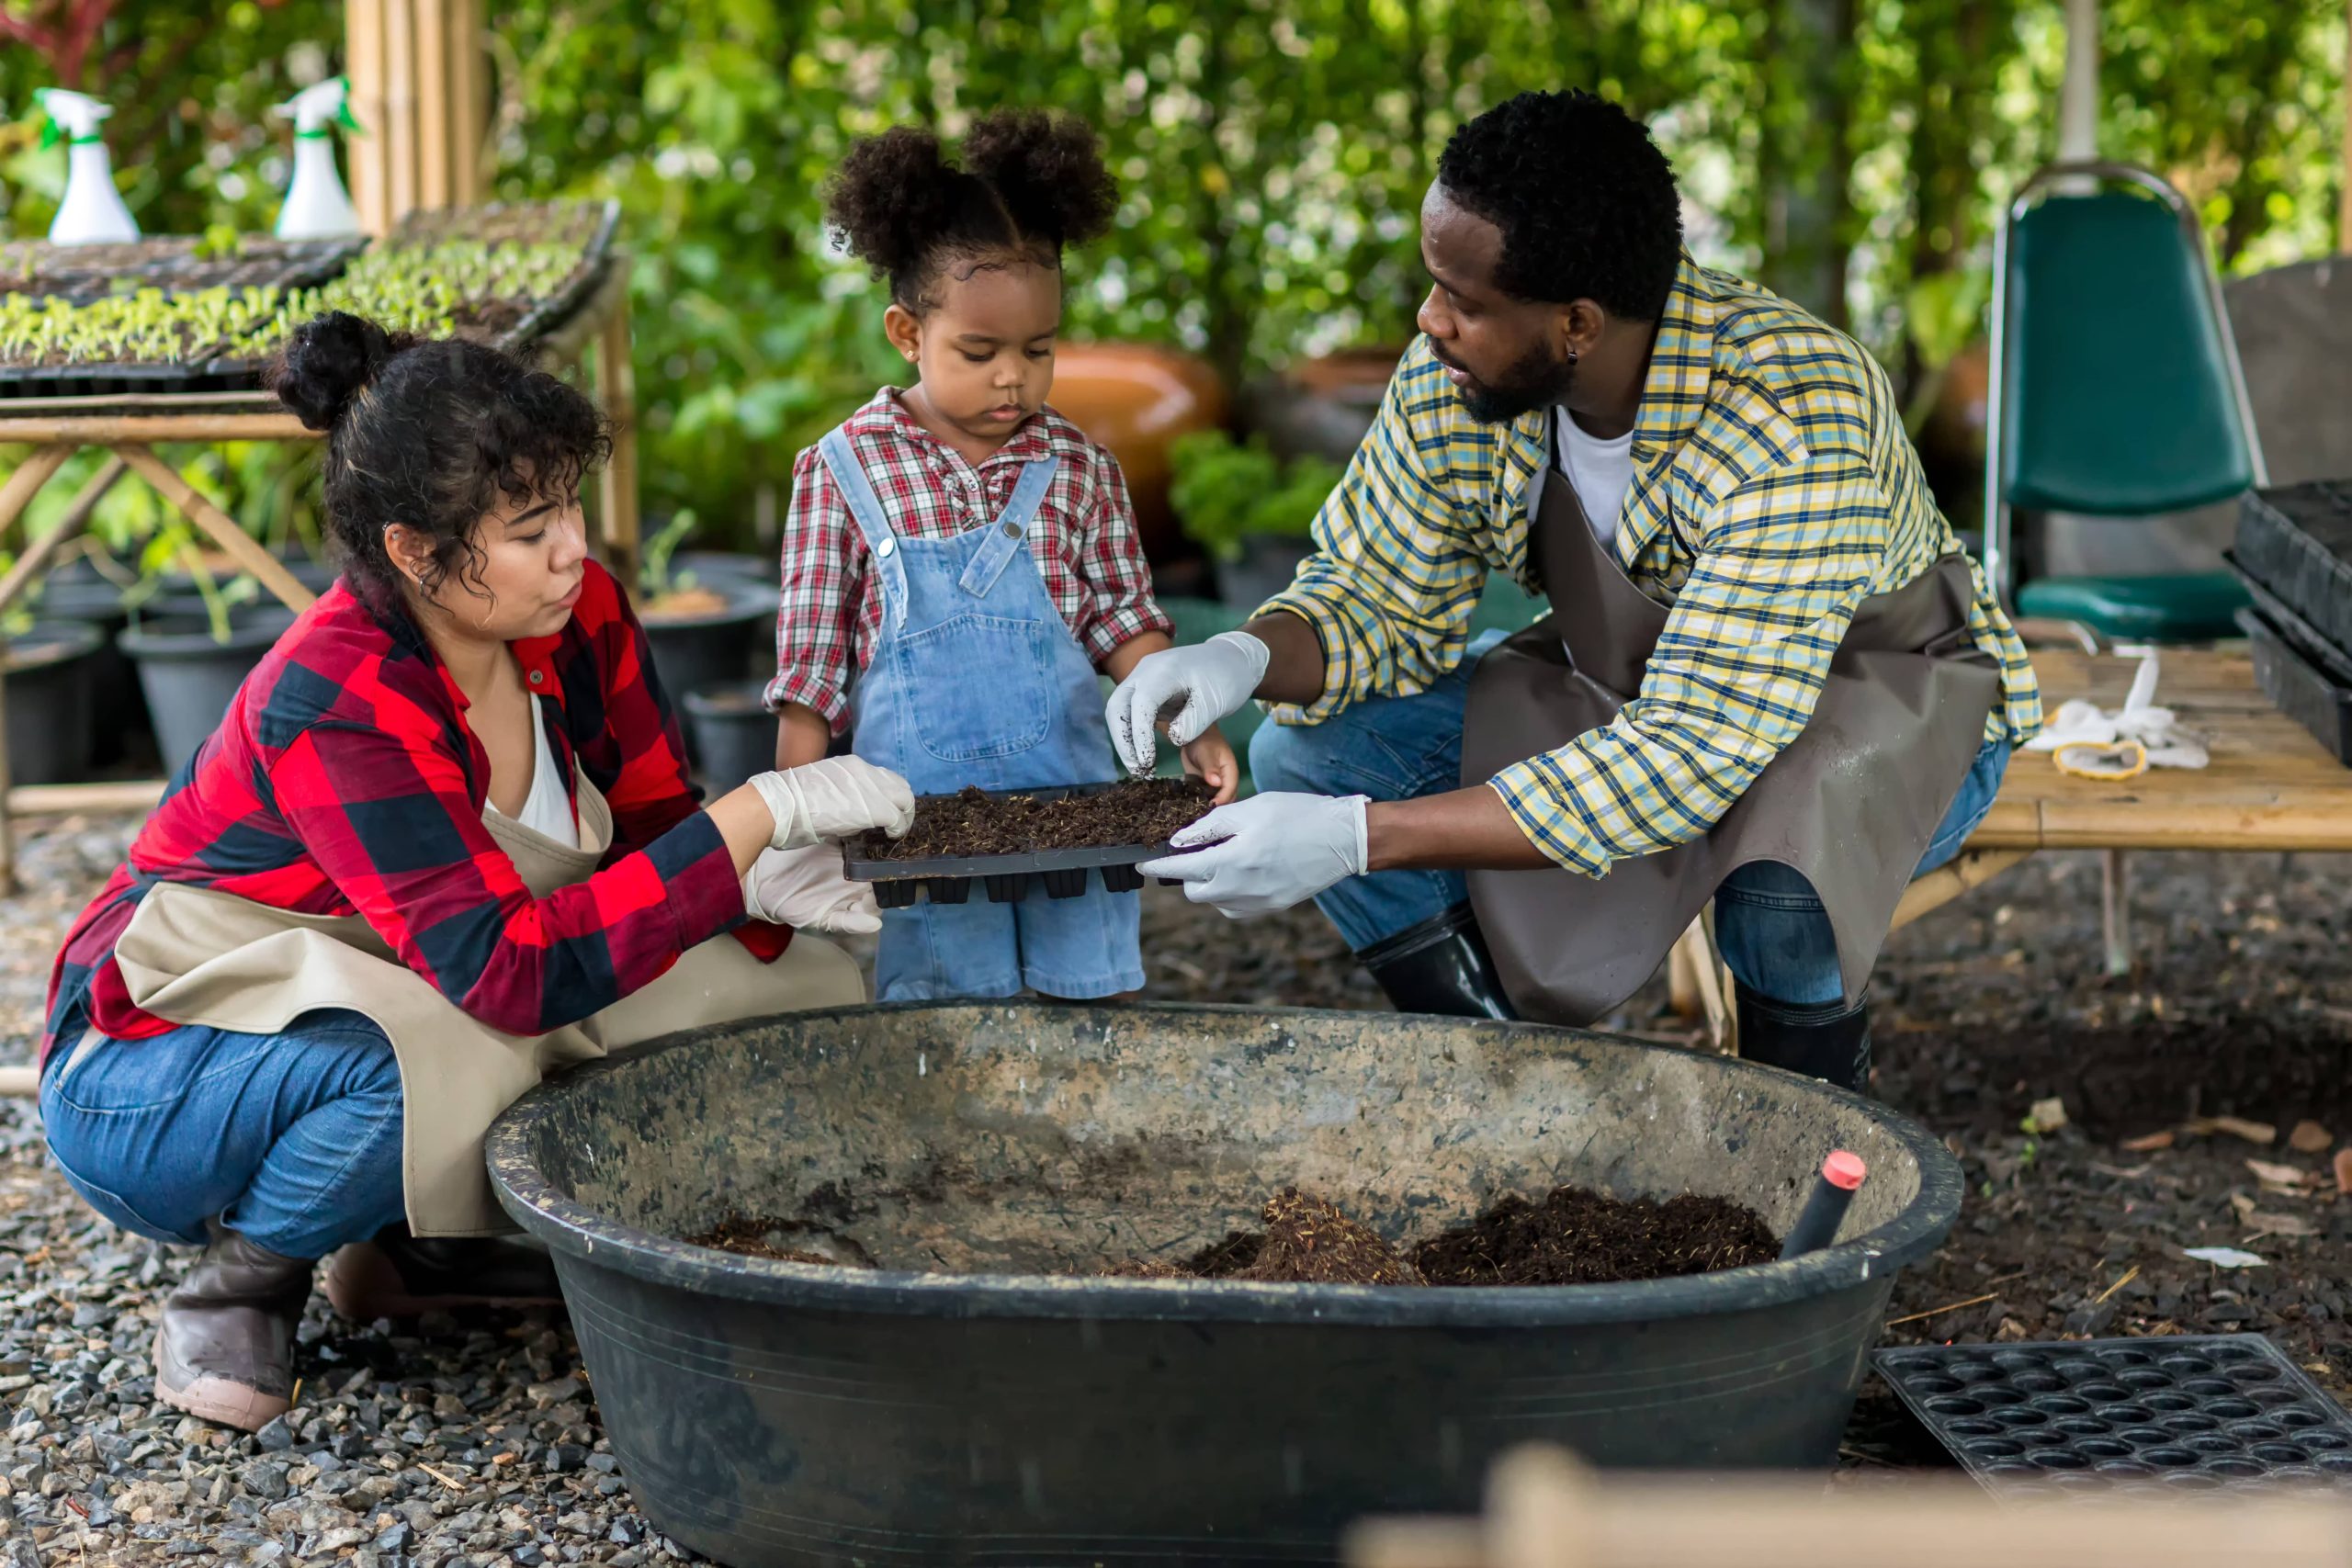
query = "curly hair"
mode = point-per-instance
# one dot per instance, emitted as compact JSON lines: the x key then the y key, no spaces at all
{"x":430,"y":434}
{"x":1029,"y":183}
{"x":1584,"y":200}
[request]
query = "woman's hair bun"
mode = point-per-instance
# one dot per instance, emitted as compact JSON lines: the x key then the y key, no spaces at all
{"x":327,"y":363}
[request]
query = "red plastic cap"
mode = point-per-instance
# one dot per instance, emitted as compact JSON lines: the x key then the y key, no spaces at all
{"x":1844,"y":1169}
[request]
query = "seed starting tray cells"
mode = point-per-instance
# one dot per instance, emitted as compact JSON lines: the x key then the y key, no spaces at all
{"x":502,"y":275}
{"x":2190,"y":1413}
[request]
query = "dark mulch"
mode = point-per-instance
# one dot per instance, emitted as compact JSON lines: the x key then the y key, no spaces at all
{"x":1576,"y":1238}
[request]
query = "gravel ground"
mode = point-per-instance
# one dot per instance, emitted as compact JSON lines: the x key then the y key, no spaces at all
{"x":475,"y":1443}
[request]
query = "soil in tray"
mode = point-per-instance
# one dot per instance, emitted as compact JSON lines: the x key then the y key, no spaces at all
{"x":1571,"y":1237}
{"x":1135,"y":811}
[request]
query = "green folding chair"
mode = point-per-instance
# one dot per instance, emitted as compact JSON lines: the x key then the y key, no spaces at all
{"x":2115,"y":392}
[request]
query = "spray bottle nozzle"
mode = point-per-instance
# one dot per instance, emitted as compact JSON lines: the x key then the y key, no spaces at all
{"x":321,"y":105}
{"x":69,"y":114}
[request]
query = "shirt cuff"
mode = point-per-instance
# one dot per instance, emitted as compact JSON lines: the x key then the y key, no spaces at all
{"x":704,"y":892}
{"x":811,"y":691}
{"x":1335,"y":635}
{"x":1107,"y":635}
{"x":1550,"y":820}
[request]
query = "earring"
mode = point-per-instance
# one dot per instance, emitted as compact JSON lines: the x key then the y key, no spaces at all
{"x":1572,"y":355}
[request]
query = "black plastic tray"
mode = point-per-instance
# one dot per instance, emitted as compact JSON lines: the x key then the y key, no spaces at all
{"x":2299,"y":687}
{"x":2172,"y":1413}
{"x":269,"y":262}
{"x":2301,"y":634}
{"x":2296,"y":541}
{"x":947,"y":879}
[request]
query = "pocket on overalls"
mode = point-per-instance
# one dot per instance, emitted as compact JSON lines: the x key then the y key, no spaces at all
{"x":977,"y":685}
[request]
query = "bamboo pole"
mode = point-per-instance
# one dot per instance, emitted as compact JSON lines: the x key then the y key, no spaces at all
{"x":400,"y":108}
{"x":432,"y":104}
{"x":29,"y":477}
{"x":36,"y":560}
{"x":469,"y":101}
{"x":112,"y":430}
{"x":72,"y":799}
{"x":240,"y":546}
{"x":616,"y":390}
{"x":363,"y":54}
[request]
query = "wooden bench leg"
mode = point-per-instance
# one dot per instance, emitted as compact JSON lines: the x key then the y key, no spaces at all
{"x":2115,"y":910}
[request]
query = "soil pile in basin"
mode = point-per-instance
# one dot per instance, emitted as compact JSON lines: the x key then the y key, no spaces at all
{"x":1572,"y":1237}
{"x":1135,"y":811}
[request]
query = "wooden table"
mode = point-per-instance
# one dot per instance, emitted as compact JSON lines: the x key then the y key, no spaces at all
{"x":2270,"y":786}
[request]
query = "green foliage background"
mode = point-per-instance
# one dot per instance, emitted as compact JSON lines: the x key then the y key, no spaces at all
{"x":1273,"y":154}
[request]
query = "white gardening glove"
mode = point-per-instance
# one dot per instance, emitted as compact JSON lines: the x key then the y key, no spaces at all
{"x":831,"y":799}
{"x":806,"y":889}
{"x":1212,"y":679}
{"x":1268,"y":852}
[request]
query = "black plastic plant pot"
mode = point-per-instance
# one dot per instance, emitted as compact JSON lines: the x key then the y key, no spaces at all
{"x":733,"y":733}
{"x":691,"y":652}
{"x":983,"y":1396}
{"x":118,"y":709}
{"x":51,"y":718}
{"x":190,"y":677}
{"x":1264,"y":568}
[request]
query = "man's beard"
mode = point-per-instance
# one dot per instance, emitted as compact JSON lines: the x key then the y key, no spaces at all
{"x":1538,"y":378}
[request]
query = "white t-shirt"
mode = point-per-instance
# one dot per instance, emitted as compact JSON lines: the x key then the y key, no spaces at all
{"x":547,"y":808}
{"x":1602,"y":471}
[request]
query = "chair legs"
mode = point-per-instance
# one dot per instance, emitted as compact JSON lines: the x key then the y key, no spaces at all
{"x":2115,"y":910}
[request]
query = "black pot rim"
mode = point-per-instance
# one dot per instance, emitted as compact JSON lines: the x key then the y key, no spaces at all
{"x":82,"y":637}
{"x":702,"y":700}
{"x":572,"y":1228}
{"x":746,"y":602}
{"x":174,"y":637}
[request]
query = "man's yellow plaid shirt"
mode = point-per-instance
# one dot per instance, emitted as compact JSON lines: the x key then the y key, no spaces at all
{"x":1774,"y":491}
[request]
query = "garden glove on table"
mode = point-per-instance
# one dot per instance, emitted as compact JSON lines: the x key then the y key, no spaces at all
{"x":807,"y":889}
{"x":832,"y":798}
{"x":2094,"y":742}
{"x":1268,"y":852}
{"x":1210,"y":679}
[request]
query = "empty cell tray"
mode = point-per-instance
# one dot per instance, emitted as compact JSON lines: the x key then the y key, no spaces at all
{"x":2195,"y":1412}
{"x":2296,"y":541}
{"x":2300,"y":684}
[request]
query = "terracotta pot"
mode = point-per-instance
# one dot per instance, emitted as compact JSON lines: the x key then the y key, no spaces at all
{"x":1136,"y":399}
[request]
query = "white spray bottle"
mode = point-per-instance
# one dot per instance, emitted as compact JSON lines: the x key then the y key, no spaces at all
{"x":317,"y":207}
{"x":92,"y":212}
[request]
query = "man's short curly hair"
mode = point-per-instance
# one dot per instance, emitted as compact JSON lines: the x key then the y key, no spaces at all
{"x":1584,"y":200}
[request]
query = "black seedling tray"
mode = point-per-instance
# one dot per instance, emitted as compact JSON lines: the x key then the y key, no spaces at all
{"x":2296,"y":541}
{"x":2193,"y":1412}
{"x":2299,"y":686}
{"x":2300,"y":633}
{"x":1063,"y":873}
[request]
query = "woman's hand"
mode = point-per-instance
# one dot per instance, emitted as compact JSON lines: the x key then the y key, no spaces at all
{"x":832,"y":798}
{"x":807,"y":889}
{"x":1211,"y":760}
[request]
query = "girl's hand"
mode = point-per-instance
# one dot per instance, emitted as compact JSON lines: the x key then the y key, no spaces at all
{"x":1210,"y":757}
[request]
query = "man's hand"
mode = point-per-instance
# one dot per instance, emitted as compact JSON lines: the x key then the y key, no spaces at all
{"x":1209,"y":679}
{"x":1268,"y":852}
{"x":805,"y":888}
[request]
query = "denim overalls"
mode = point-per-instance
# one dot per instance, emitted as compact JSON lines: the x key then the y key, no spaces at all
{"x":976,"y":679}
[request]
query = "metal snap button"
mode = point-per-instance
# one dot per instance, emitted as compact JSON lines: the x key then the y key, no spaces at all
{"x":887,"y":548}
{"x":1012,"y":530}
{"x":538,"y":676}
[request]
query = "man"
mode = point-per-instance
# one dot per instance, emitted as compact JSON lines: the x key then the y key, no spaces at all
{"x":1768,"y":676}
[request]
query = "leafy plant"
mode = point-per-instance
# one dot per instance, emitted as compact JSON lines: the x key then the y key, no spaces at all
{"x":654,"y":577}
{"x":1224,"y":490}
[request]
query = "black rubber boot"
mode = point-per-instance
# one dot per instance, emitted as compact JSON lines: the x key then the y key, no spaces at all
{"x":1440,"y":965}
{"x":399,"y":1275}
{"x":224,"y":1349}
{"x":1821,"y":1040}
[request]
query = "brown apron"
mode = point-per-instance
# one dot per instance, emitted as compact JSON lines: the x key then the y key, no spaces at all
{"x":1851,"y":802}
{"x":195,"y":957}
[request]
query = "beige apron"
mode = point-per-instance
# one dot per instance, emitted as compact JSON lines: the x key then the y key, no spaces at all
{"x":193,"y":956}
{"x":1852,"y":801}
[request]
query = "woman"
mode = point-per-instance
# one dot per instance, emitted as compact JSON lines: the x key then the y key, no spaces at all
{"x":443,"y":842}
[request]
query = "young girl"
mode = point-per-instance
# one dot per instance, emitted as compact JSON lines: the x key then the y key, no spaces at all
{"x":967,"y":550}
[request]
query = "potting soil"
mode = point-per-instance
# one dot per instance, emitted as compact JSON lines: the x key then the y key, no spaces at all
{"x":1134,"y":811}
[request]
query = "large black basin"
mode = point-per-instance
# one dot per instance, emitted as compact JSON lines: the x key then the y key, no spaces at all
{"x":1018,"y":1410}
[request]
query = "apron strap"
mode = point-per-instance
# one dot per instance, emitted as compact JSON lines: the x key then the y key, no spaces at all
{"x":873,"y":523}
{"x":1010,"y":532}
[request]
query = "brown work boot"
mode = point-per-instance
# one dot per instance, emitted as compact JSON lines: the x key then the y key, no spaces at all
{"x":400,"y":1275}
{"x":225,"y":1349}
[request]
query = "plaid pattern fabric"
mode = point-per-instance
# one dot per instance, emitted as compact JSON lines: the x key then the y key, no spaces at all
{"x":345,"y":781}
{"x":1083,"y":541}
{"x":1774,"y":491}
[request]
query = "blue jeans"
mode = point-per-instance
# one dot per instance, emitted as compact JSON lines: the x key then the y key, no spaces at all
{"x":293,"y":1140}
{"x":1772,"y":931}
